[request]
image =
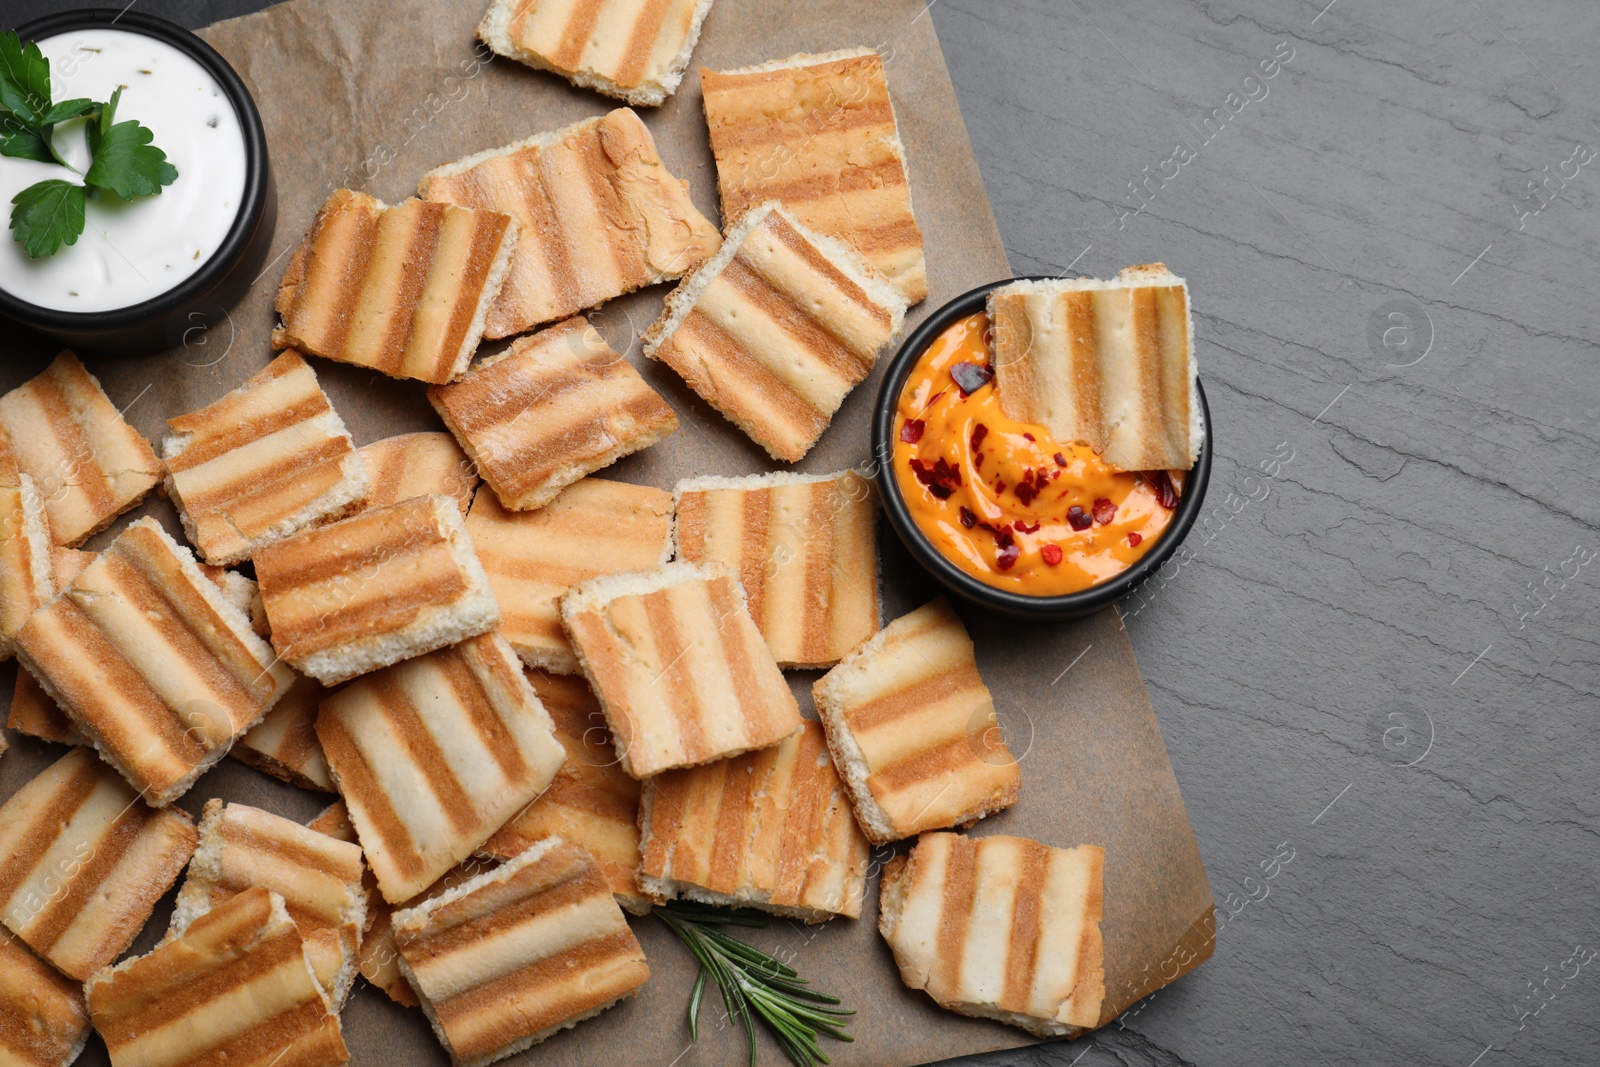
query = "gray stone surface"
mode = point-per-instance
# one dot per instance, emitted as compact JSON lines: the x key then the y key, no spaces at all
{"x":1357,"y":663}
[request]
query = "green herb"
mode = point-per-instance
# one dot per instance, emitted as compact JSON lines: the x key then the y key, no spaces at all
{"x":123,"y":162}
{"x":754,"y":985}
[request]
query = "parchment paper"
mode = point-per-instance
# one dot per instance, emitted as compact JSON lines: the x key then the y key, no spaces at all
{"x":369,"y":94}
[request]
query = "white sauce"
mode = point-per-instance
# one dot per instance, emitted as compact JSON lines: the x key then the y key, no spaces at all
{"x":130,"y":252}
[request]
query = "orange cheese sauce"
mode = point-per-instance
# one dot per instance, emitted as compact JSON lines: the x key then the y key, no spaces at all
{"x":997,"y":497}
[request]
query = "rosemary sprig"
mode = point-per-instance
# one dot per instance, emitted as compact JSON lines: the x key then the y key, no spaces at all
{"x":754,"y":985}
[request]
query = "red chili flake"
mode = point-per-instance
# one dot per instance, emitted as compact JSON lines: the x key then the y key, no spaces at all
{"x":1029,"y":436}
{"x":977,"y":462}
{"x":979,"y":432}
{"x":1166,"y":492}
{"x":1006,"y":558}
{"x":1078,"y":518}
{"x":1026,"y":492}
{"x":1061,"y":461}
{"x":968,"y":519}
{"x":1134,"y":539}
{"x":1003,"y":537}
{"x":1051,"y":554}
{"x":970,"y":377}
{"x":911,"y":431}
{"x":1025,"y":527}
{"x":999,"y":487}
{"x":1104,"y":511}
{"x":941,"y":478}
{"x":934,"y":400}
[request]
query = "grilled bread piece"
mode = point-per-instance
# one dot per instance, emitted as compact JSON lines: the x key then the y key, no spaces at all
{"x":592,"y":802}
{"x":434,"y":755}
{"x":284,"y":743}
{"x":27,"y":577}
{"x":151,"y":662}
{"x":404,"y":289}
{"x":318,"y":877}
{"x":999,"y":928}
{"x":234,"y":988}
{"x":530,"y":948}
{"x":374,"y":589}
{"x":33,"y":712}
{"x":594,"y":527}
{"x":913,"y":729}
{"x":550,"y":409}
{"x":805,"y":548}
{"x":266,"y":461}
{"x":635,"y":50}
{"x":43,"y":1019}
{"x":85,"y":862}
{"x":817,"y":133}
{"x":417,"y":464}
{"x":1108,"y":363}
{"x":769,"y":829}
{"x":681,"y":671}
{"x":777,"y":328}
{"x":89,"y":465}
{"x":599,"y":215}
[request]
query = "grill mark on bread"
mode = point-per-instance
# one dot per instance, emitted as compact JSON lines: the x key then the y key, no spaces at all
{"x":647,"y":28}
{"x":421,"y":247}
{"x":803,"y":328}
{"x":1026,"y":927}
{"x":38,"y":836}
{"x":579,"y":29}
{"x":683,"y":697}
{"x":772,"y":396}
{"x":424,"y":749}
{"x":259,"y":426}
{"x":355,"y":775}
{"x":766,"y":720}
{"x":469,"y":694}
{"x":43,"y":1018}
{"x":955,"y":915}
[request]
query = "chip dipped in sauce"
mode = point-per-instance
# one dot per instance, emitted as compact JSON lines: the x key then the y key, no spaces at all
{"x":999,"y":498}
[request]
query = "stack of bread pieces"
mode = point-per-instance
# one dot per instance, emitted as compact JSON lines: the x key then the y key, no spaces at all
{"x":540,"y":698}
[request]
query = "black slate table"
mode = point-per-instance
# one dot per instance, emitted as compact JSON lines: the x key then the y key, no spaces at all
{"x":1377,"y":670}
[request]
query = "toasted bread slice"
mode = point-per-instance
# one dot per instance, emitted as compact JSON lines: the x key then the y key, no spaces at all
{"x":769,"y":830}
{"x":266,"y":461}
{"x":374,"y":589}
{"x":913,"y":729}
{"x":599,"y":215}
{"x":594,"y":527}
{"x":89,"y":465}
{"x":550,"y":409}
{"x":636,"y":50}
{"x":1000,"y":928}
{"x":235,"y":987}
{"x":46,"y":1022}
{"x":404,"y":289}
{"x":805,"y":548}
{"x":592,"y":802}
{"x":434,"y":755}
{"x":85,"y":862}
{"x":284,"y":743}
{"x":818,"y":134}
{"x":417,"y":464}
{"x":318,"y":877}
{"x":517,"y":954}
{"x":33,"y":712}
{"x":777,"y":328}
{"x":681,"y":671}
{"x":1108,"y":363}
{"x":151,"y":662}
{"x":27,"y":579}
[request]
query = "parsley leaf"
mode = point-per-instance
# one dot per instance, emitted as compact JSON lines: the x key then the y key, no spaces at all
{"x":24,"y":78}
{"x":69,"y":109}
{"x":126,"y":163}
{"x":46,"y":215}
{"x":24,"y":140}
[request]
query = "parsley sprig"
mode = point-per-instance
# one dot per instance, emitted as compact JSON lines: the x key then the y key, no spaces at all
{"x":754,"y":985}
{"x":123,"y":162}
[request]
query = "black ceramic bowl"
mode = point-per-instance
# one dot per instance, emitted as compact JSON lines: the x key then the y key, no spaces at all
{"x":203,"y":298}
{"x":958,"y":581}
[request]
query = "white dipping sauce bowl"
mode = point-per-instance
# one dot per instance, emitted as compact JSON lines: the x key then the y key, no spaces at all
{"x":157,"y":272}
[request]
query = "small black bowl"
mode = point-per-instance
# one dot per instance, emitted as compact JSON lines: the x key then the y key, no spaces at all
{"x":202,"y":299}
{"x":958,"y":581}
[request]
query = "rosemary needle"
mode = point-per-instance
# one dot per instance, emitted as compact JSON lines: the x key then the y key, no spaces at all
{"x":754,"y":985}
